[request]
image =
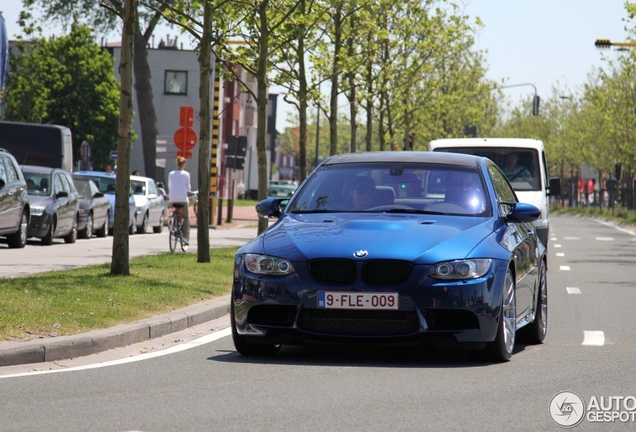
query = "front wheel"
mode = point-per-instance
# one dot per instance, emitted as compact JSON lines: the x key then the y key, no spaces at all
{"x":173,"y":238}
{"x":245,"y":348}
{"x":19,"y":238}
{"x":501,"y":348}
{"x":87,"y":232}
{"x":72,"y":236}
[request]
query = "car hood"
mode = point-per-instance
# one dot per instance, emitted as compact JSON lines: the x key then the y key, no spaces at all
{"x":418,"y":238}
{"x":39,"y":200}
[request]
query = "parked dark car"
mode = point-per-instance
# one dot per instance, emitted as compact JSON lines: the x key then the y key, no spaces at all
{"x":394,"y":248}
{"x":94,"y":207}
{"x":106,"y":182}
{"x":54,"y":204}
{"x":15,"y":211}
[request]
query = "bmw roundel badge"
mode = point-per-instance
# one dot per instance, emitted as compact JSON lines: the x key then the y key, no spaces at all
{"x":360,"y":253}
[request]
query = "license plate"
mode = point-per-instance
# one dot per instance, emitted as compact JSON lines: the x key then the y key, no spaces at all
{"x":355,"y":300}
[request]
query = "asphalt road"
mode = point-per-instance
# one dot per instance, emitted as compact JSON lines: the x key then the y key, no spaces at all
{"x":202,"y":384}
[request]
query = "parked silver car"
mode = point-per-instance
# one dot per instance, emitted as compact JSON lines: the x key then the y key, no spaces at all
{"x":149,"y":202}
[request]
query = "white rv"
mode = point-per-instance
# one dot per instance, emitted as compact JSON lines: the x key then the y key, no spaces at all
{"x":530,"y":179}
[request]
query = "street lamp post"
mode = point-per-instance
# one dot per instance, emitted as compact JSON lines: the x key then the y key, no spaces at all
{"x":535,"y":101}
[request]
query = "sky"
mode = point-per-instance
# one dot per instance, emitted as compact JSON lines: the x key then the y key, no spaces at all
{"x":546,"y":43}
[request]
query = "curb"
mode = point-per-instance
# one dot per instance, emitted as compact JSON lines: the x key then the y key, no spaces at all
{"x":84,"y":344}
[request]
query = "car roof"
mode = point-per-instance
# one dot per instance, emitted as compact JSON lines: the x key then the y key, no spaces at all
{"x":405,"y":157}
{"x":95,"y":174}
{"x":485,"y":142}
{"x":39,"y":169}
{"x":140,"y":178}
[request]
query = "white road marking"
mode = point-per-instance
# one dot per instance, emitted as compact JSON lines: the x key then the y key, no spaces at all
{"x":593,"y":338}
{"x":560,"y":254}
{"x":571,"y":238}
{"x":174,"y":349}
{"x":604,"y":238}
{"x":613,"y":225}
{"x":573,"y":290}
{"x":564,"y":268}
{"x":557,"y":245}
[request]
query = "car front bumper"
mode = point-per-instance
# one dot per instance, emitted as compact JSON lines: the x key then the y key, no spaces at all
{"x":284,"y":310}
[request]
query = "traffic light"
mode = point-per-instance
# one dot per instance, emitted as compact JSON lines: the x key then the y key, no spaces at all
{"x":535,"y":106}
{"x":603,"y":44}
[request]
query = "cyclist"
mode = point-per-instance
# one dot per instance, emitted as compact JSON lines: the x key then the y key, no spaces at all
{"x":179,"y":187}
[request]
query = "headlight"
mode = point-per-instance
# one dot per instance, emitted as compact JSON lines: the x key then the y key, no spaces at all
{"x":37,"y":210}
{"x":268,"y":265}
{"x":460,"y":269}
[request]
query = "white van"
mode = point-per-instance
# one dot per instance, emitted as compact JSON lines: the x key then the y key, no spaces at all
{"x":533,"y":186}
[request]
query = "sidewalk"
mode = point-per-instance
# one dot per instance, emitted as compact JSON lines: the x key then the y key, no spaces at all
{"x":66,"y":347}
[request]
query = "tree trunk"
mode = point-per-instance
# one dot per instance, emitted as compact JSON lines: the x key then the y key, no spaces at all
{"x":120,"y":262}
{"x":145,"y":104}
{"x":261,"y":101}
{"x":205,"y":142}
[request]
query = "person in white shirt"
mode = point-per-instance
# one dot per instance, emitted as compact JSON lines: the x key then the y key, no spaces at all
{"x":179,"y":187}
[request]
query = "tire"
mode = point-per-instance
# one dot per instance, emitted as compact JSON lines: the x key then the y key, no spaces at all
{"x":103,"y":231}
{"x":132,"y":228}
{"x":87,"y":232}
{"x":172,"y":236}
{"x":144,"y":225}
{"x":245,"y":348}
{"x":535,"y":332}
{"x":500,"y":350}
{"x":47,"y":240}
{"x":72,"y":236}
{"x":18,"y":239}
{"x":159,"y":228}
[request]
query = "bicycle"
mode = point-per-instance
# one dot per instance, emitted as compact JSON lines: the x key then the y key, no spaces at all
{"x":176,"y":229}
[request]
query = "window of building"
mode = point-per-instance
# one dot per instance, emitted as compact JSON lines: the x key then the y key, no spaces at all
{"x":176,"y":82}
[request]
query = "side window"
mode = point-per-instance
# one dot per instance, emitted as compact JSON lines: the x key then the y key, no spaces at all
{"x":3,"y":173}
{"x":58,"y":184}
{"x":152,"y":188}
{"x":68,"y":184}
{"x":11,"y":171}
{"x":503,"y":190}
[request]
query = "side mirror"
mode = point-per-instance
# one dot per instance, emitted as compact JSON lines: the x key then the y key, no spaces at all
{"x":555,"y":186}
{"x":61,"y":194}
{"x":523,"y":212}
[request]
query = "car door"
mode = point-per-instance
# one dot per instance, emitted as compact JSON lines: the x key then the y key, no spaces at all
{"x":519,"y":239}
{"x":156,"y":202}
{"x":10,"y":209}
{"x":5,"y":197}
{"x":61,"y":204}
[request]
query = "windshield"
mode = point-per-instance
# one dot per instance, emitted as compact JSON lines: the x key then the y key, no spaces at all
{"x":520,"y":165}
{"x":389,"y":187}
{"x":104,"y":184}
{"x":38,"y":184}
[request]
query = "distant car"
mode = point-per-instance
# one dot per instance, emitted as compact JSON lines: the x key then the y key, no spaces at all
{"x":54,"y":204}
{"x":150,"y":204}
{"x":106,"y":182}
{"x":394,"y":248}
{"x":15,"y":210}
{"x":94,"y":208}
{"x":281,"y":190}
